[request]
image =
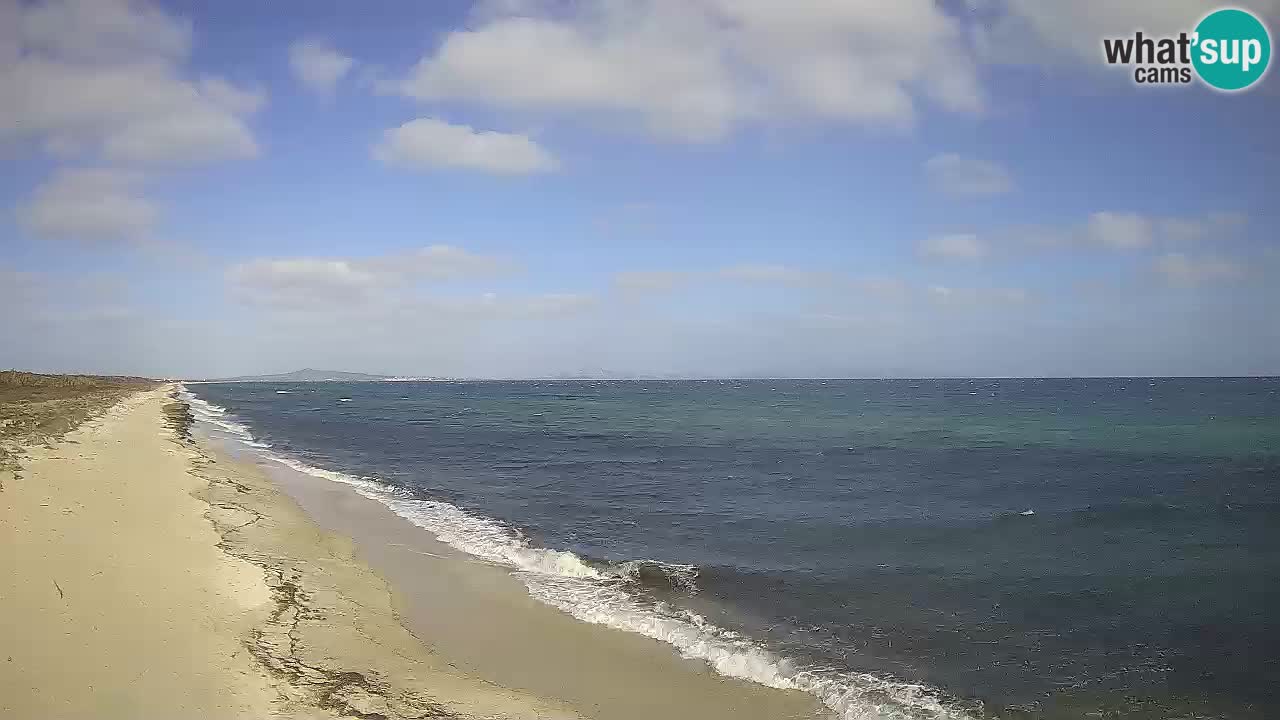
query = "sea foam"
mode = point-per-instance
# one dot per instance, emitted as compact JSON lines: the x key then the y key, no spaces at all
{"x":216,"y":417}
{"x":601,"y":593}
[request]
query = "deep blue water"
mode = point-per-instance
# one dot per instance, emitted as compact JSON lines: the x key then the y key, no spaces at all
{"x":879,"y":527}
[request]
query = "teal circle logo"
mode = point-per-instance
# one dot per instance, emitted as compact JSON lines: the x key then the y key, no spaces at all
{"x":1231,"y":49}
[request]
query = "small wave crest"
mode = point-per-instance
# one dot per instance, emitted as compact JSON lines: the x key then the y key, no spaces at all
{"x":215,"y":416}
{"x":199,"y":406}
{"x":599,"y":593}
{"x":660,"y":575}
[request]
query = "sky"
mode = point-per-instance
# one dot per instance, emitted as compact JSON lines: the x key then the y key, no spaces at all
{"x":526,"y":188}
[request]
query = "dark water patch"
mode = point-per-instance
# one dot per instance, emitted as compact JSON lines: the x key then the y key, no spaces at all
{"x":1048,"y":548}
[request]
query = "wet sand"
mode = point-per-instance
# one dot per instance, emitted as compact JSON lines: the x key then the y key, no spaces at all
{"x":142,"y":578}
{"x":480,"y":617}
{"x":145,"y":573}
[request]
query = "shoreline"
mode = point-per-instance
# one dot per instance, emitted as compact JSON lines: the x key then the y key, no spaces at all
{"x":153,"y":573}
{"x":481,"y":617}
{"x":117,"y":601}
{"x":578,"y":593}
{"x":147,"y":578}
{"x":373,"y":449}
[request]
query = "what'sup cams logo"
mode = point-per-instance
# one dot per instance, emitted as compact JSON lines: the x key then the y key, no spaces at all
{"x":1229,"y":50}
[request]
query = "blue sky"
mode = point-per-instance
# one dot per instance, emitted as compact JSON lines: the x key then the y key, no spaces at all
{"x":529,"y":187}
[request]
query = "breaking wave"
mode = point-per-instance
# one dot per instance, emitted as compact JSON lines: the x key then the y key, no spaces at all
{"x":605,"y":593}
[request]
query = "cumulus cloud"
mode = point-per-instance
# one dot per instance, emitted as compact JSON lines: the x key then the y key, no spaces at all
{"x":103,"y":30}
{"x":318,"y":66}
{"x":1036,"y":32}
{"x":1120,"y":231}
{"x":957,"y":175}
{"x":238,"y":101}
{"x":1185,"y":271}
{"x":1124,"y":231}
{"x":325,"y":282}
{"x":106,"y":77}
{"x":89,"y":204}
{"x":305,"y":280}
{"x":1109,"y":229}
{"x":953,"y":247}
{"x":694,"y":70}
{"x":429,"y":143}
{"x":436,"y":310}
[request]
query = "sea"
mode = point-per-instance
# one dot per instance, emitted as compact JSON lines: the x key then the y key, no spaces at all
{"x":922,"y":549}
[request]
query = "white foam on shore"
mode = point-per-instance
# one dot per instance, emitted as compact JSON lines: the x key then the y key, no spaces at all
{"x":216,"y":416}
{"x":599,"y":595}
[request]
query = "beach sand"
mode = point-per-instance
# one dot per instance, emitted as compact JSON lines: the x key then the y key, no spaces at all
{"x":116,"y":599}
{"x":147,"y":575}
{"x":480,"y":616}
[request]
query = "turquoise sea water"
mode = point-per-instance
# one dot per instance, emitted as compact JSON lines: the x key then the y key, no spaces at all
{"x":912,"y":548}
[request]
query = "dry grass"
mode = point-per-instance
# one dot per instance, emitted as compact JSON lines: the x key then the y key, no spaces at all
{"x":38,"y":409}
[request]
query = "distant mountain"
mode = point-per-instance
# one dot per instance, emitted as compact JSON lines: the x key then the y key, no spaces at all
{"x":308,"y":375}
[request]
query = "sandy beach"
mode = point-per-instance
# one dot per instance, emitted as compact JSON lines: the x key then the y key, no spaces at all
{"x":147,"y":573}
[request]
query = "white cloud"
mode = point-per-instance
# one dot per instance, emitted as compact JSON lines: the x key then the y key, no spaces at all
{"x":429,"y":143}
{"x":953,"y":247}
{"x":958,"y":175}
{"x":89,"y":204}
{"x":1214,"y":225}
{"x":693,"y":70}
{"x":1183,"y":270}
{"x":318,"y":66}
{"x":103,"y":30}
{"x":1120,"y":231}
{"x":1124,"y":231}
{"x":106,"y":77}
{"x":194,"y":137}
{"x":231,"y":98}
{"x":305,"y":282}
{"x":1037,"y":32}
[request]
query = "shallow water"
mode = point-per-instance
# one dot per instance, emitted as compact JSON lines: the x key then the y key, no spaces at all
{"x":1037,"y":548}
